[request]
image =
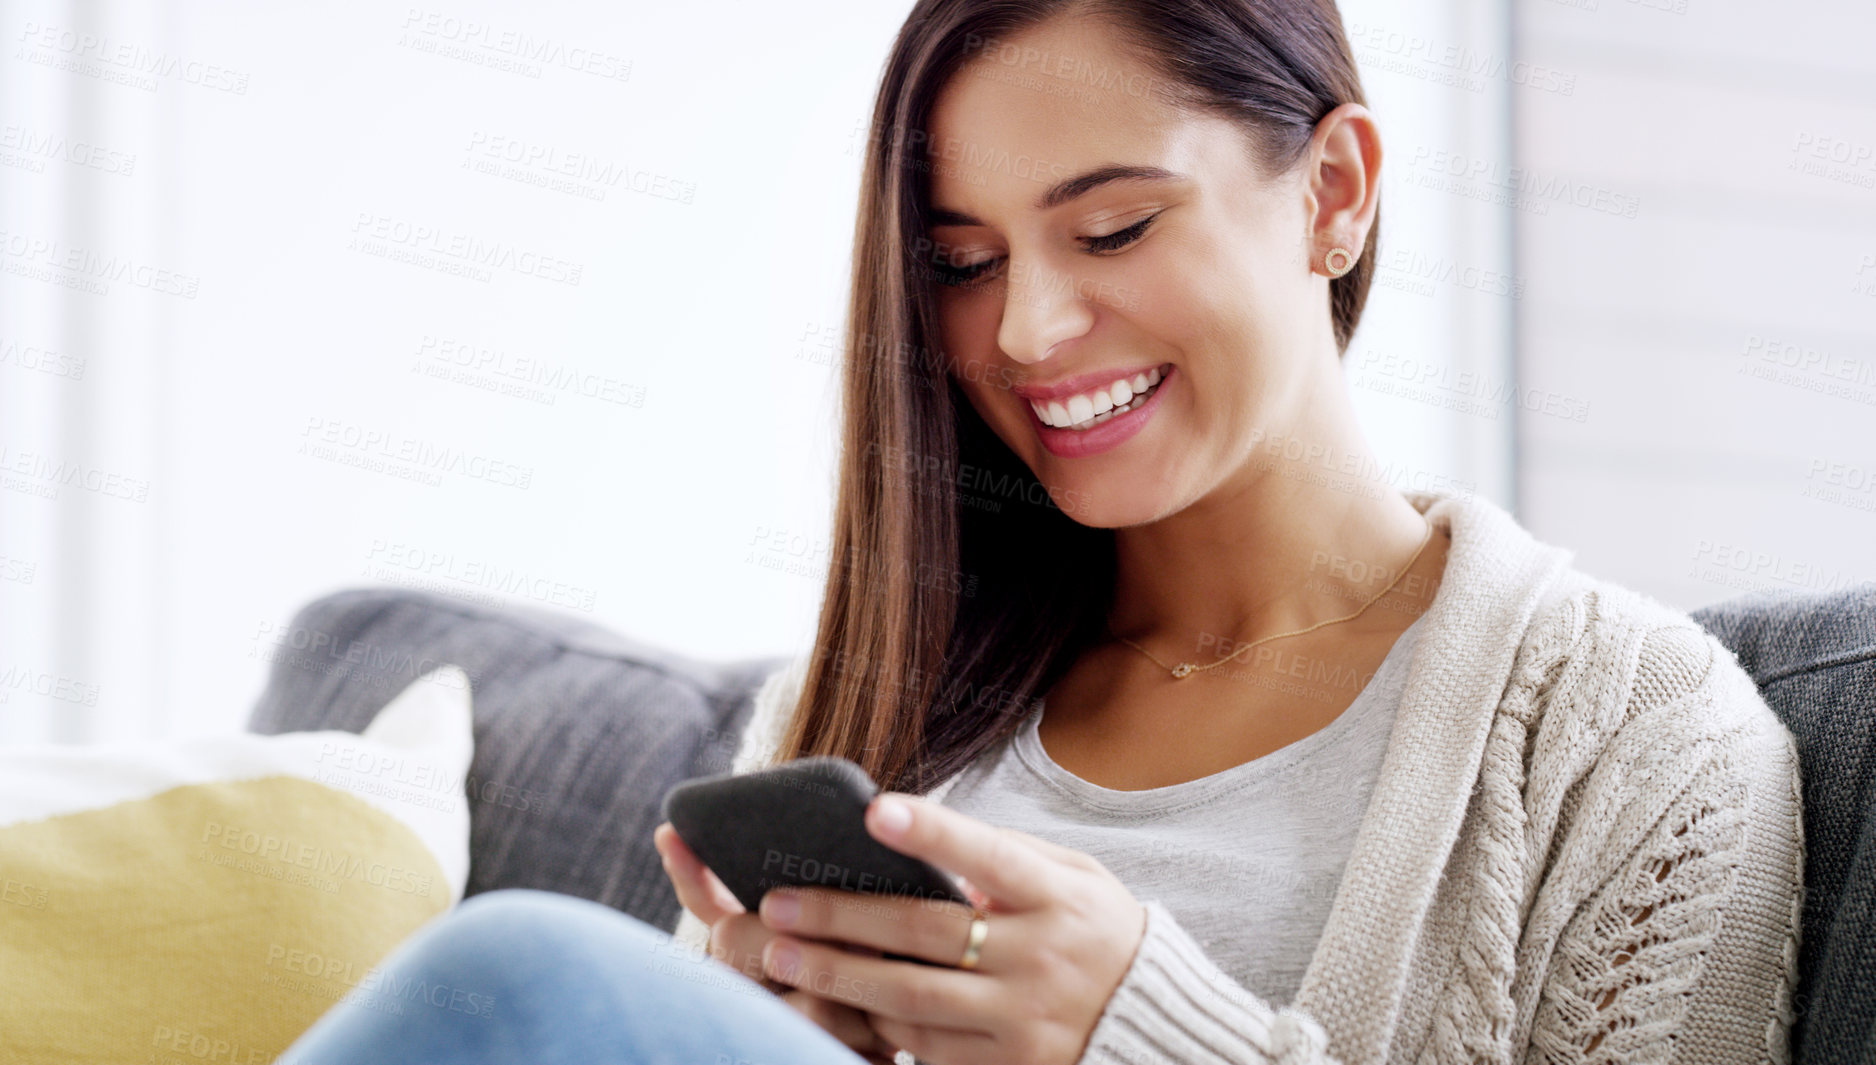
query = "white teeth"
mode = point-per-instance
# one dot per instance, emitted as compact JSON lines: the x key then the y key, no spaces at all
{"x":1123,"y":408}
{"x":1092,"y":408}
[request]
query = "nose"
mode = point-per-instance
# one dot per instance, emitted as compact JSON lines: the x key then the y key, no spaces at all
{"x":1042,"y":307}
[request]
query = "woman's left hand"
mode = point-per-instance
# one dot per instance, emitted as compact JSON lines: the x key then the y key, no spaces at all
{"x":1062,"y":933}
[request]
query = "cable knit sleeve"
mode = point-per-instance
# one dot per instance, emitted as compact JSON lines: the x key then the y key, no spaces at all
{"x":1687,"y":952}
{"x":1174,"y":1005}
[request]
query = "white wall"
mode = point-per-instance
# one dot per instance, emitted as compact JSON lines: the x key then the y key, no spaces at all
{"x":1714,"y":304}
{"x":1438,"y":323}
{"x":182,"y":442}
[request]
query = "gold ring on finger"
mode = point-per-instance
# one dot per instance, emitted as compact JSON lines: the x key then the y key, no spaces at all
{"x":980,"y":930}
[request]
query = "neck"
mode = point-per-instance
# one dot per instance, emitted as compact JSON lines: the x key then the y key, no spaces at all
{"x":1301,"y":532}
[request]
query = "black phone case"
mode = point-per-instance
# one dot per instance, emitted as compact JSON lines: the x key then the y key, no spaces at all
{"x":801,"y":823}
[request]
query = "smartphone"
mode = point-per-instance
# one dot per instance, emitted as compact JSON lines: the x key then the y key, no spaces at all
{"x":798,"y":824}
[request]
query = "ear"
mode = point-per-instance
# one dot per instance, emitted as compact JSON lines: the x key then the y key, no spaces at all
{"x":1342,"y":183}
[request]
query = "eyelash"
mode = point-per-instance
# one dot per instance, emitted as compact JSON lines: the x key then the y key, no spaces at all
{"x":960,"y":276}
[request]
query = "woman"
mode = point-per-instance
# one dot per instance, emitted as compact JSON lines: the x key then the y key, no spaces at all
{"x":1249,"y":747}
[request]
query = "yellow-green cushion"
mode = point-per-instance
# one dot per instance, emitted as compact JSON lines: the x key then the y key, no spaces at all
{"x":207,"y":900}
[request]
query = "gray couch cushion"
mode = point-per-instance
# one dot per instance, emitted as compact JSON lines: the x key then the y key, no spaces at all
{"x":1814,"y":658}
{"x":579,"y":731}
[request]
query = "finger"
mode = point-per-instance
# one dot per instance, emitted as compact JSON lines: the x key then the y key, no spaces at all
{"x":933,"y":929}
{"x":679,"y":855}
{"x":698,"y":889}
{"x":919,"y":994}
{"x":1054,"y":850}
{"x":1006,"y":865}
{"x":737,"y":941}
{"x":842,"y":1022}
{"x":936,"y":1044}
{"x":974,"y":893}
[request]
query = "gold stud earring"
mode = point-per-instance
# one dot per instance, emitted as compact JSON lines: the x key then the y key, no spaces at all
{"x":1338,"y":261}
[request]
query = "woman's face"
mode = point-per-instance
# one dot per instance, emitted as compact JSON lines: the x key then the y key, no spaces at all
{"x":1203,"y":275}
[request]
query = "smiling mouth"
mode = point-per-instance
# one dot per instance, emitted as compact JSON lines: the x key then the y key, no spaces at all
{"x":1084,"y":411}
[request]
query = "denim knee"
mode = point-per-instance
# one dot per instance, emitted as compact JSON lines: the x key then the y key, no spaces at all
{"x":513,"y":916}
{"x":528,"y":909}
{"x":523,"y":975}
{"x":501,"y":928}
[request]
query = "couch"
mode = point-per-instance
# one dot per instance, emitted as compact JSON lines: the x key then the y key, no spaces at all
{"x":580,"y":731}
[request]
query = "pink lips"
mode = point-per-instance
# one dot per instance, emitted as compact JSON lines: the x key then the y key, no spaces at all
{"x":1081,"y":383}
{"x":1110,"y":434}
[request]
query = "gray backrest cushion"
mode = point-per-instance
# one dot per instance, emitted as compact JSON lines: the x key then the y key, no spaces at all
{"x":1813,"y":656}
{"x":579,"y":731}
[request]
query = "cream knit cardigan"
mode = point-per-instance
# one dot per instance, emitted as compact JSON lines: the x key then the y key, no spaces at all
{"x":1566,"y":756}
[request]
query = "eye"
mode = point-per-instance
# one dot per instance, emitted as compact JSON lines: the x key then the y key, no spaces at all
{"x":1121,"y":238}
{"x":960,"y":276}
{"x":946,"y":274}
{"x":939,"y":262}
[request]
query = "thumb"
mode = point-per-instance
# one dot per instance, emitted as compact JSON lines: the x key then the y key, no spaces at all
{"x":698,"y":889}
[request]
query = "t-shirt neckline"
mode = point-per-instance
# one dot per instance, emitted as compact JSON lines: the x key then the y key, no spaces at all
{"x":1027,"y":746}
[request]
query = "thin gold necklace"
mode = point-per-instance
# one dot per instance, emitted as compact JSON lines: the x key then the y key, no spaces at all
{"x":1186,"y":669}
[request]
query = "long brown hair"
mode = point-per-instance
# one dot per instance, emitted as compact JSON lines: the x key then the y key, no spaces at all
{"x":958,"y":589}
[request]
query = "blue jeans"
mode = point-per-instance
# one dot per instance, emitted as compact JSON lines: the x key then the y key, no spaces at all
{"x":521,"y":976}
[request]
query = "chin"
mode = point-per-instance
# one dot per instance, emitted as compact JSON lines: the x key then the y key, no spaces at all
{"x":1109,"y":506}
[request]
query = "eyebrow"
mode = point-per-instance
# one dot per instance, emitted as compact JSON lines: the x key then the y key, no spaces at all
{"x":1066,"y":190}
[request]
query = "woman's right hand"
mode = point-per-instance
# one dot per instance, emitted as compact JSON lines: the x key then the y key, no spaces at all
{"x":738,"y":936}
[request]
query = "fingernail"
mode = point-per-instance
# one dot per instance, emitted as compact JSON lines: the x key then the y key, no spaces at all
{"x":780,"y":959}
{"x":894,"y":816}
{"x":781,"y":909}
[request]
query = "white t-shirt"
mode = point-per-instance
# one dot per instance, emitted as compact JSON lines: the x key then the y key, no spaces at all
{"x":1247,"y":859}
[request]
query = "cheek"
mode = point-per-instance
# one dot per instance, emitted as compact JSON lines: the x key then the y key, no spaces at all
{"x":968,"y":344}
{"x":993,"y":405}
{"x":1186,"y":296}
{"x":999,"y":408}
{"x":968,"y":323}
{"x":1215,"y":325}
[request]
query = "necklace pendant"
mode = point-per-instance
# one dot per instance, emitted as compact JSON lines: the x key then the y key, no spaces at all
{"x":1182,"y":669}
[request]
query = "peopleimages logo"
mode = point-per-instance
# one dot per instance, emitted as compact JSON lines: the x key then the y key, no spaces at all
{"x":136,"y":64}
{"x":529,"y":376}
{"x":31,"y":144}
{"x":433,"y":247}
{"x":784,"y":868}
{"x":392,"y":557}
{"x":320,"y":861}
{"x":307,"y":644}
{"x":44,"y":259}
{"x":433,"y":30}
{"x":376,"y":983}
{"x":1460,"y":65}
{"x":41,"y":360}
{"x":379,"y":450}
{"x":48,"y":475}
{"x":579,"y":173}
{"x":18,"y":680}
{"x":1527,"y":185}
